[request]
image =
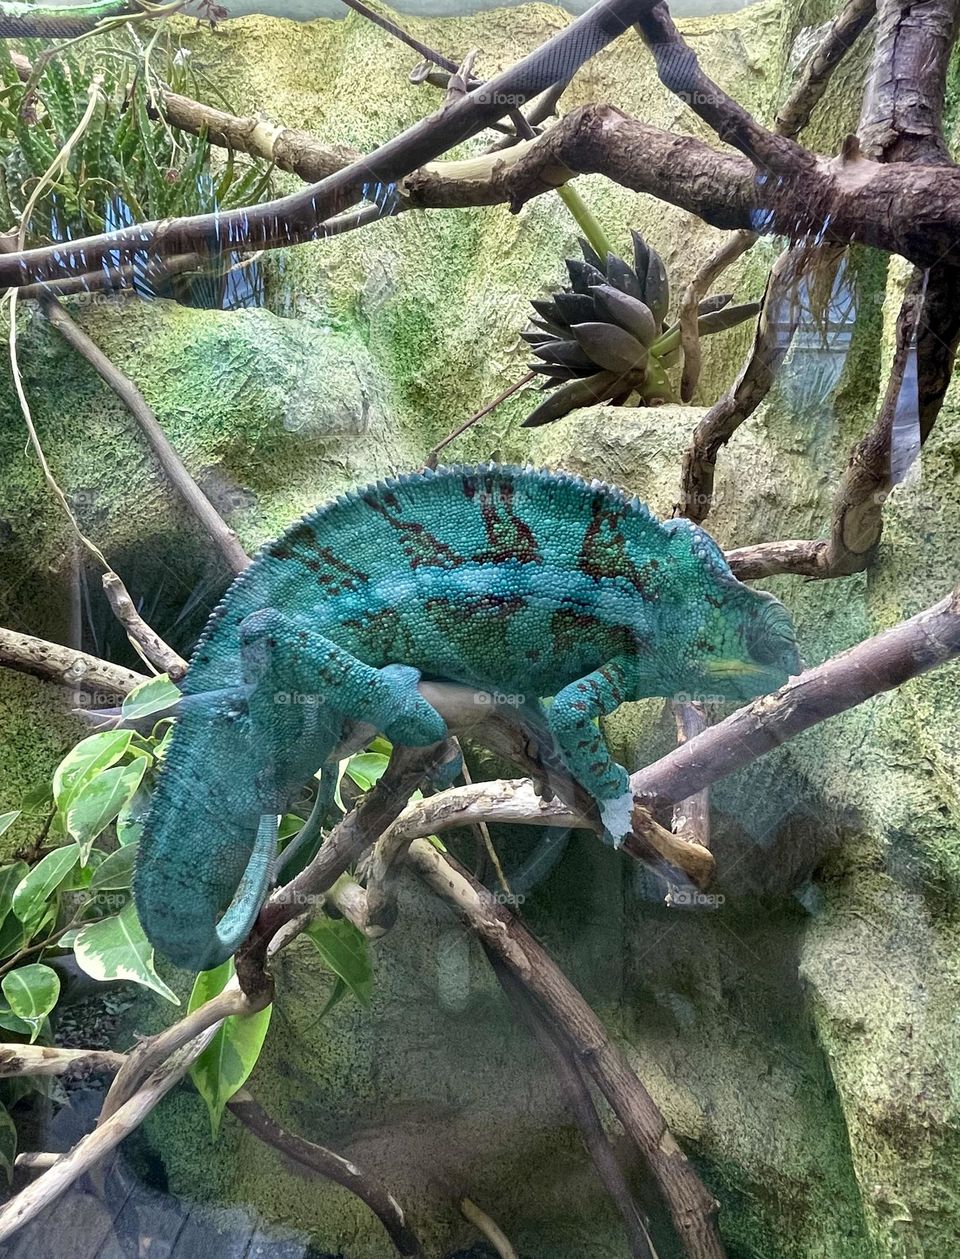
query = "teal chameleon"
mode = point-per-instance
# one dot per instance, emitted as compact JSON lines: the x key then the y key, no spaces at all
{"x":505,"y":579}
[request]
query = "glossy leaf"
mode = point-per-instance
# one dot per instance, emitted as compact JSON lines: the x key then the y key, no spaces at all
{"x":32,"y":992}
{"x":633,"y":315}
{"x":611,"y":347}
{"x":38,"y":885}
{"x":346,"y":951}
{"x":157,"y":695}
{"x":115,"y":873}
{"x":226,"y":1063}
{"x":87,"y":758}
{"x":8,"y":819}
{"x":116,"y":948}
{"x":96,"y":803}
{"x":584,"y":392}
{"x":366,"y":768}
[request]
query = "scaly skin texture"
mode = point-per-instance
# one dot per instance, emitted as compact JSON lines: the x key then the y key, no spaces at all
{"x":505,"y":579}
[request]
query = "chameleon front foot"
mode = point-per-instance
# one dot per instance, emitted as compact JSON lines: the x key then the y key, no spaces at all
{"x":617,"y":818}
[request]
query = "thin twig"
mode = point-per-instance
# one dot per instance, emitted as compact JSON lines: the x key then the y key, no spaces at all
{"x":488,"y":1227}
{"x":331,"y":1166}
{"x":152,"y":645}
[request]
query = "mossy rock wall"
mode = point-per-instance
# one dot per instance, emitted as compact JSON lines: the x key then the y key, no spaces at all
{"x":801,"y":1036}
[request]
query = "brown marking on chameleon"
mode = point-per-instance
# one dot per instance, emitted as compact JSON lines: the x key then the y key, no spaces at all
{"x":533,"y":654}
{"x":571,"y":629}
{"x":603,"y":552}
{"x":508,"y":537}
{"x":418,"y":544}
{"x":382,"y":634}
{"x":469,"y":486}
{"x":714,"y":601}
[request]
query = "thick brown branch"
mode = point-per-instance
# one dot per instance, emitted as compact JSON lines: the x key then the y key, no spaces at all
{"x":878,"y":664}
{"x":680,"y":72}
{"x":902,"y":114}
{"x":692,"y":1208}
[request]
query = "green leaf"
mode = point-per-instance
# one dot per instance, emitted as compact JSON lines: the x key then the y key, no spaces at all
{"x":366,"y":767}
{"x":34,"y":890}
{"x":226,"y":1063}
{"x":90,"y":755}
{"x":154,"y":696}
{"x":32,"y":992}
{"x":133,"y":815}
{"x":337,"y":993}
{"x":95,"y":803}
{"x":345,"y":950}
{"x":11,"y":1023}
{"x":10,"y":878}
{"x":115,"y":873}
{"x":8,"y":1143}
{"x":116,"y":948}
{"x":8,"y":819}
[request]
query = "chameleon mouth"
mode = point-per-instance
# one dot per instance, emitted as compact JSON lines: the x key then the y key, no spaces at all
{"x":735,"y":669}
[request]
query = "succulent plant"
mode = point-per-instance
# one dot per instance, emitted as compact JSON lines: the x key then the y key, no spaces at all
{"x":606,"y":339}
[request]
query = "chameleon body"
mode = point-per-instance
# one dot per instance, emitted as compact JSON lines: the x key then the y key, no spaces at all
{"x":505,"y":579}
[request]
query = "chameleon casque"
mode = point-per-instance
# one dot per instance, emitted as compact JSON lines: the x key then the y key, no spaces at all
{"x":500,"y":578}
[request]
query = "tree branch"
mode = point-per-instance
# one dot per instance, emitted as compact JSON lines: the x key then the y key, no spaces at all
{"x":883,"y":662}
{"x":692,"y":1208}
{"x":840,"y":36}
{"x":295,"y":218}
{"x":193,"y":497}
{"x":576,"y":1097}
{"x":331,"y":1166}
{"x":65,"y":666}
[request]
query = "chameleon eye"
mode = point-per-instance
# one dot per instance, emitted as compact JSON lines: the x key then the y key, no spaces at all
{"x":770,"y":635}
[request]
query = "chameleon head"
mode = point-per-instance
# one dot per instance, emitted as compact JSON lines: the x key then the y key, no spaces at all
{"x":747,"y":646}
{"x":732,"y":642}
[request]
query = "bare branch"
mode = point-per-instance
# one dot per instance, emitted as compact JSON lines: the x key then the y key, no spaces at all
{"x":692,"y":1208}
{"x":51,"y":1060}
{"x":209,"y":518}
{"x":842,"y":33}
{"x":488,"y":1228}
{"x":150,"y":642}
{"x":691,"y":817}
{"x":74,"y":669}
{"x":289,"y":220}
{"x":576,"y":1096}
{"x":331,"y":1166}
{"x":775,"y":328}
{"x":902,"y":117}
{"x":878,"y":664}
{"x":90,"y":1149}
{"x":502,"y":801}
